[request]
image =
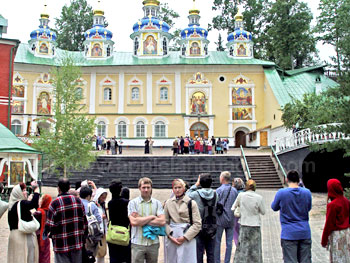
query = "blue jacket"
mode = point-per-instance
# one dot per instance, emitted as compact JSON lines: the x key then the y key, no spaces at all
{"x":151,"y":232}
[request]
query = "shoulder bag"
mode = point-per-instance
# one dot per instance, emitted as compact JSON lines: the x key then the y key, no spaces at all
{"x":118,"y":235}
{"x":3,"y":207}
{"x":220,"y":207}
{"x":24,"y":226}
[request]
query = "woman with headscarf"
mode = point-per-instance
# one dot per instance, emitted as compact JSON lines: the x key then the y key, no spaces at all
{"x":336,"y":232}
{"x":181,"y":232}
{"x":22,"y":247}
{"x":40,"y":215}
{"x":239,"y":185}
{"x":118,"y":215}
{"x":100,"y":200}
{"x":251,"y":206}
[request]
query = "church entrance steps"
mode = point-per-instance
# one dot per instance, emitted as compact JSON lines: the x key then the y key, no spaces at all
{"x":161,"y":169}
{"x":263,"y":172}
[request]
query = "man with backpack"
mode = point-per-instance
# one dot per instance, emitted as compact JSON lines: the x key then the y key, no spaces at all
{"x":225,"y":218}
{"x":94,"y":219}
{"x":206,"y":199}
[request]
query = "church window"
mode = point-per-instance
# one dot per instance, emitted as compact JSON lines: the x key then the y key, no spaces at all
{"x":183,"y":50}
{"x":140,"y":129}
{"x":147,"y":12}
{"x":135,"y":93}
{"x":16,"y":127}
{"x":107,"y":94}
{"x":136,"y":46}
{"x":153,"y":12}
{"x":231,"y":51}
{"x":101,"y":128}
{"x":206,"y":49}
{"x":165,"y":46}
{"x":159,"y":129}
{"x":33,"y":47}
{"x":164,"y":94}
{"x":53,"y":51}
{"x":195,"y":49}
{"x":122,"y":129}
{"x":108,"y":51}
{"x":79,"y":93}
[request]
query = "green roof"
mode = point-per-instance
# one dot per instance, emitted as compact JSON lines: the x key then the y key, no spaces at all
{"x":127,"y":59}
{"x":307,"y":69}
{"x":9,"y":143}
{"x":300,"y":82}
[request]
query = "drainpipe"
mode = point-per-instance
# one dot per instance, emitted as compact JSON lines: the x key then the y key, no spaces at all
{"x":10,"y":87}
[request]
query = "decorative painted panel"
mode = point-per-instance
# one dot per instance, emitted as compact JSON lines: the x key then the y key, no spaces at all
{"x":18,"y":91}
{"x":198,"y":103}
{"x":242,"y":114}
{"x":44,"y":103}
{"x":150,"y":46}
{"x":17,"y":106}
{"x":241,"y":96}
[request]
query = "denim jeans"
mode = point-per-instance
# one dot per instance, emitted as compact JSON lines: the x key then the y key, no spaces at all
{"x":296,"y":251}
{"x":229,"y":238}
{"x":207,"y":245}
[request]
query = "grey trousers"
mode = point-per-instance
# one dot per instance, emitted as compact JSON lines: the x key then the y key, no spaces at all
{"x":141,"y":254}
{"x":74,"y":256}
{"x":296,"y":251}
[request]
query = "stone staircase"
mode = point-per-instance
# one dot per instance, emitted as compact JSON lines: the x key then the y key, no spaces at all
{"x":263,"y":172}
{"x":161,"y":169}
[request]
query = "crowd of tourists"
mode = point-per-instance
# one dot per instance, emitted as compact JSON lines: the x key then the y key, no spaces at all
{"x":199,"y":145}
{"x":112,"y":146}
{"x":192,"y":220}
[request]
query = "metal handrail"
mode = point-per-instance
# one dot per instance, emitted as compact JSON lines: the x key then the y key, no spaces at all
{"x":246,"y":163}
{"x":279,"y":163}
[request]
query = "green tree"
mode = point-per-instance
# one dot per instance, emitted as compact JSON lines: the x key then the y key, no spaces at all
{"x":75,"y":19}
{"x":168,"y":15}
{"x":67,"y":143}
{"x":333,"y":27}
{"x":219,"y":44}
{"x":254,"y":16}
{"x":290,"y":40}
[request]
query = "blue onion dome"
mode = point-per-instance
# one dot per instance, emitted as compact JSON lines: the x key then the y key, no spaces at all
{"x":44,"y":31}
{"x":151,"y":23}
{"x":194,"y":31}
{"x":239,"y":33}
{"x":98,"y":31}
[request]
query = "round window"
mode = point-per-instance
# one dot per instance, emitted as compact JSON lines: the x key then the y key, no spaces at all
{"x":221,"y":78}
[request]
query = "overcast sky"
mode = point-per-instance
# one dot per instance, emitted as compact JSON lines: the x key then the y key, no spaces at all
{"x":23,"y":17}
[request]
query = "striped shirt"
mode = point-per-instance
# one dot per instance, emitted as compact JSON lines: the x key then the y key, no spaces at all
{"x":144,"y":208}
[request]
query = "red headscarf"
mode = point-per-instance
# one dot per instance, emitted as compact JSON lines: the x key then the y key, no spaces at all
{"x":337,"y":217}
{"x":45,"y":203}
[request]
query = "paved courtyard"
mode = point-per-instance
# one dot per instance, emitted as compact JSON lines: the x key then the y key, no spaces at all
{"x":270,"y":227}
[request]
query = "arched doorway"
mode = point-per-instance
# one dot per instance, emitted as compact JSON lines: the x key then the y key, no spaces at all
{"x":199,"y":129}
{"x":240,"y":139}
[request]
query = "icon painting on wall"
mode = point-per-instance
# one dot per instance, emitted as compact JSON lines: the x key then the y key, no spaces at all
{"x":150,"y":46}
{"x":44,"y":48}
{"x":242,"y":51}
{"x":18,"y":91}
{"x":44,"y":103}
{"x":242,"y":96}
{"x":96,"y":50}
{"x":242,"y":114}
{"x":198,"y":103}
{"x":17,"y":106}
{"x":17,"y":172}
{"x":195,"y":49}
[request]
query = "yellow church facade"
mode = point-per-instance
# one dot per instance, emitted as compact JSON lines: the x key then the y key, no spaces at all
{"x":158,"y":93}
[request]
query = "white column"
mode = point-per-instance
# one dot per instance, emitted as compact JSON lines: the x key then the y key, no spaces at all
{"x":92,"y":106}
{"x":211,"y":127}
{"x":25,"y":124}
{"x":149,"y":92}
{"x":178,"y":93}
{"x":230,"y":129}
{"x":187,"y":126}
{"x":34,"y":125}
{"x":34,"y":101}
{"x":121,"y":93}
{"x":210,"y":100}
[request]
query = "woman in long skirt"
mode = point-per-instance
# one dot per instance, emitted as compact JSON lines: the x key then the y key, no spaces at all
{"x":336,"y":232}
{"x":251,"y":206}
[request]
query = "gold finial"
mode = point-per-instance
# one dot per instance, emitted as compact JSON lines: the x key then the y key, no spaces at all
{"x":98,"y":11}
{"x":194,"y":10}
{"x":45,"y":14}
{"x":239,"y":16}
{"x":151,"y":2}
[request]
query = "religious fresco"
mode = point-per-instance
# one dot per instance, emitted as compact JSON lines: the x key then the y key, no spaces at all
{"x":241,"y":51}
{"x":44,"y":103}
{"x":16,"y":173}
{"x":195,"y":49}
{"x":150,"y":46}
{"x":44,"y":49}
{"x":17,"y":106}
{"x":18,"y":91}
{"x":198,"y":103}
{"x":241,"y":96}
{"x":96,"y":50}
{"x":242,"y":114}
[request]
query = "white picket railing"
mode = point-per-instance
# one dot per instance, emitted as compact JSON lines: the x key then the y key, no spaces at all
{"x":302,"y":138}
